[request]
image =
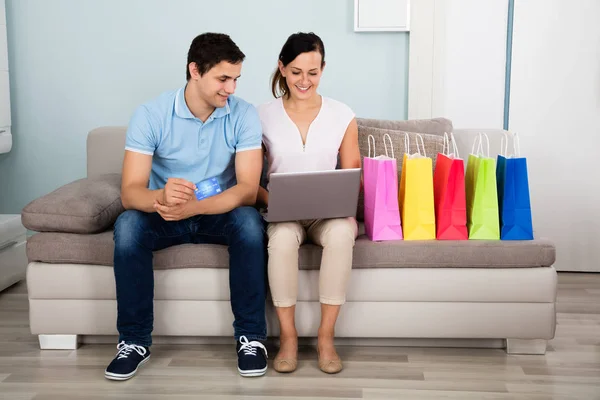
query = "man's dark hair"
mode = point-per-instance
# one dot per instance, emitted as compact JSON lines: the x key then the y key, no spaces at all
{"x":209,"y":49}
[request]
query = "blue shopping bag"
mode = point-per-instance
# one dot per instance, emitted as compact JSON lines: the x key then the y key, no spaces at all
{"x":514,"y":203}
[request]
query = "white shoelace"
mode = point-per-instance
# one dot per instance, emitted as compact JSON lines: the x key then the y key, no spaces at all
{"x":126,"y":349}
{"x":250,"y":348}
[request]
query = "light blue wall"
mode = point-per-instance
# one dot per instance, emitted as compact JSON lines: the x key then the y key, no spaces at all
{"x":76,"y":65}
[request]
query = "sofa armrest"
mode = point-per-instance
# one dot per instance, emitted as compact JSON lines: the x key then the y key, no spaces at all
{"x":88,"y":205}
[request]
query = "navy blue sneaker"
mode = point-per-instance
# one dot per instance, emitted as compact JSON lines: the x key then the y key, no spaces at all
{"x":252,"y":357}
{"x":126,"y":362}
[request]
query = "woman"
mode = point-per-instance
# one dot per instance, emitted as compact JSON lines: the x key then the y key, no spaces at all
{"x":304,"y":131}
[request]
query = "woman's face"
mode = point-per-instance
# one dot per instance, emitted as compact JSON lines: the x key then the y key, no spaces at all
{"x":303,"y":74}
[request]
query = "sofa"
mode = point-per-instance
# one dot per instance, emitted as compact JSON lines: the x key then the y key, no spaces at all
{"x":497,"y":294}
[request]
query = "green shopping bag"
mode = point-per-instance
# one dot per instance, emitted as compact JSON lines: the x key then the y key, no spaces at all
{"x":482,"y":193}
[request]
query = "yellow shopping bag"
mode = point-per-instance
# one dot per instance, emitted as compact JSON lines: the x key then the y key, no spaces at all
{"x":416,"y":194}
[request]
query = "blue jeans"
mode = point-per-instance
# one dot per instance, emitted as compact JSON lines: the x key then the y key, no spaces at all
{"x":138,"y":234}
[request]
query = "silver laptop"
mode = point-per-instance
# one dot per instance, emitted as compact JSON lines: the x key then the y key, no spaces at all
{"x":297,"y":196}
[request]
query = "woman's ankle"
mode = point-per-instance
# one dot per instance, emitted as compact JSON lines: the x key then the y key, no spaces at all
{"x":288,"y":346}
{"x":325,"y":333}
{"x":288,"y":334}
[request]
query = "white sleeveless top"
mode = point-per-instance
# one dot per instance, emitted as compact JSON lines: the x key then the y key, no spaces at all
{"x":282,"y":139}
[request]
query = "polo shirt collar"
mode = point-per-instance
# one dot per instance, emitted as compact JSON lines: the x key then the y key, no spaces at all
{"x":182,"y":110}
{"x":221,"y":112}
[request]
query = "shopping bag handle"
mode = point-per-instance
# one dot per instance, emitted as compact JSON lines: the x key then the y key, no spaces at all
{"x":422,"y":144}
{"x":406,"y":143}
{"x":480,"y":148}
{"x":454,"y":146}
{"x":479,"y":143}
{"x":387,"y":136}
{"x":516,"y":145}
{"x":446,"y":145}
{"x":476,"y":143}
{"x":504,"y":144}
{"x":369,"y":138}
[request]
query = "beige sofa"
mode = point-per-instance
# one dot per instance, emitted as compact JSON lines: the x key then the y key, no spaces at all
{"x":441,"y":293}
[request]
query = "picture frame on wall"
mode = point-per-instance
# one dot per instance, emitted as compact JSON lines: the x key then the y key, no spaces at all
{"x":381,"y":15}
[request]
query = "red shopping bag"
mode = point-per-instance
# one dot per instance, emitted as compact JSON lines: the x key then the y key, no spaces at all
{"x":449,"y":194}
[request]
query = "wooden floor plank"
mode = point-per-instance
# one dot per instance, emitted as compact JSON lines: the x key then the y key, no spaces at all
{"x":570,"y":369}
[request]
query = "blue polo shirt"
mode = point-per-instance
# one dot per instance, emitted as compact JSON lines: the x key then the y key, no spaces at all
{"x":182,"y":146}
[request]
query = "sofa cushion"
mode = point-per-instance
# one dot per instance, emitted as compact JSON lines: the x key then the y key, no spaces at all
{"x":435,"y":126}
{"x":433,"y":145}
{"x":485,"y":285}
{"x":98,"y":249}
{"x":87,"y":205}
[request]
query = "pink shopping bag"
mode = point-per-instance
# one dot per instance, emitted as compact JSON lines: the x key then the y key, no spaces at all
{"x":382,"y":214}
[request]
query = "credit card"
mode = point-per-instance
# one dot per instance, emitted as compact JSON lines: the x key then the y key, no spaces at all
{"x":207,"y":188}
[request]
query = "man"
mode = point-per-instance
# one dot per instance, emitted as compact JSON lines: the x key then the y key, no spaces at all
{"x":190,"y":175}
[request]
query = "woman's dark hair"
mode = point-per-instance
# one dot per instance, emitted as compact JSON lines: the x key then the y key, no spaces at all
{"x":295,"y":45}
{"x":209,"y":49}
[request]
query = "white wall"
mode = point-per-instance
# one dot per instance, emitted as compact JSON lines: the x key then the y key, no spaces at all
{"x":456,"y":70}
{"x":457,"y":61}
{"x":555,"y":108}
{"x":76,"y":65}
{"x":420,"y":59}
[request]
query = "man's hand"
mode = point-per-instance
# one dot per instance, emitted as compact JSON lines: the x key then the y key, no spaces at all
{"x":177,"y":191}
{"x":176,"y":212}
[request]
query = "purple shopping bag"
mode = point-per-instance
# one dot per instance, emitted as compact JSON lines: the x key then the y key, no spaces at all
{"x":382,"y":214}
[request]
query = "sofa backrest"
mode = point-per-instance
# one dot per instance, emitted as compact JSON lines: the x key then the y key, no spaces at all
{"x":434,"y":126}
{"x":105,"y":145}
{"x":105,"y":150}
{"x":433,"y":143}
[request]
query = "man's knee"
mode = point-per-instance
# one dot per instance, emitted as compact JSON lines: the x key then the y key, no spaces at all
{"x":248,"y":225}
{"x":129,"y":230}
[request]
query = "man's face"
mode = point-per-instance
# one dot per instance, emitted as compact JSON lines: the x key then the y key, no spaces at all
{"x":216,"y":85}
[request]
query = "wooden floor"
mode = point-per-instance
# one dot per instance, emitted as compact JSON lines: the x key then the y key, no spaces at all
{"x":569,"y":370}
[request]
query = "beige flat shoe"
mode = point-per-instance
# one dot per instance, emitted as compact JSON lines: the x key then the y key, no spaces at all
{"x":285,"y":365}
{"x":330,"y":366}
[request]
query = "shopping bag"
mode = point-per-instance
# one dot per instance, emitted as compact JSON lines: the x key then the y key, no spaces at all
{"x":482,"y":193}
{"x":449,"y":194}
{"x":513,"y":193}
{"x":416,"y":194}
{"x":382,"y":215}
